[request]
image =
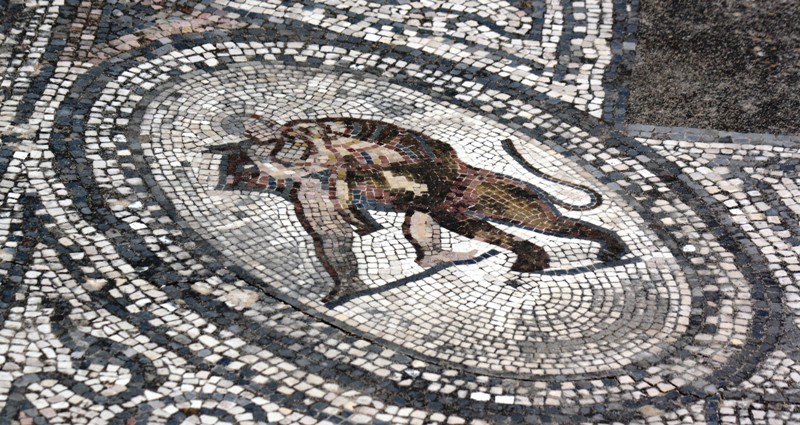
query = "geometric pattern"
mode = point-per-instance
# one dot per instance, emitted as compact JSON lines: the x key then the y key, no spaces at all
{"x":138,"y":285}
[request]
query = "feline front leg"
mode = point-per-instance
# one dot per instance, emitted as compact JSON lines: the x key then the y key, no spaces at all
{"x":331,"y":233}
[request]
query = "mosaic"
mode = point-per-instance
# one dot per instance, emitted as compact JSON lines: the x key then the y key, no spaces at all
{"x":390,"y":212}
{"x":337,"y":169}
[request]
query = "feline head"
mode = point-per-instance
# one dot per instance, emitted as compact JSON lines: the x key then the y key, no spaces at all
{"x":258,"y":138}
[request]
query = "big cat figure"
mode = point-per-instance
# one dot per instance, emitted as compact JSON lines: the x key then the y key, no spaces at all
{"x":336,"y":170}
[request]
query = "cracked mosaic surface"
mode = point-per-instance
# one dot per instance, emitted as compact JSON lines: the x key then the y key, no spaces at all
{"x":389,"y":212}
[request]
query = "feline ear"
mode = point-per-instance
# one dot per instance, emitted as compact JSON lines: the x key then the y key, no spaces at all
{"x":264,"y":118}
{"x":261,"y":131}
{"x":226,"y":148}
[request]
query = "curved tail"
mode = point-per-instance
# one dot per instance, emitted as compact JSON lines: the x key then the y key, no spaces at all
{"x":596,"y":199}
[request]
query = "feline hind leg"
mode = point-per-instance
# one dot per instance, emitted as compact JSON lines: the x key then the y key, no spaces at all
{"x":425,"y":235}
{"x":530,"y":257}
{"x":516,"y":204}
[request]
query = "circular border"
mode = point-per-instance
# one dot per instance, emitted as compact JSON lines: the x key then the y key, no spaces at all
{"x":766,"y":293}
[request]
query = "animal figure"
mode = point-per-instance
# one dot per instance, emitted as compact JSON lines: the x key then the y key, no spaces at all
{"x":336,"y":170}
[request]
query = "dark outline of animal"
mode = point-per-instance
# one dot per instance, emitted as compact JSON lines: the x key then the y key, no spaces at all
{"x":459,"y":197}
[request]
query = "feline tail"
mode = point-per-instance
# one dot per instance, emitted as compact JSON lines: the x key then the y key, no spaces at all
{"x":596,"y":199}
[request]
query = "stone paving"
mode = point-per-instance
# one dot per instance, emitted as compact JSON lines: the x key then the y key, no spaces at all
{"x":397,"y":212}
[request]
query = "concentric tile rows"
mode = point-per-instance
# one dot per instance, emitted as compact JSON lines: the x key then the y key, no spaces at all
{"x":394,"y":212}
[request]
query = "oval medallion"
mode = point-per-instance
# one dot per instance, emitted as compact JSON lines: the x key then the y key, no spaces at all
{"x":414,"y":221}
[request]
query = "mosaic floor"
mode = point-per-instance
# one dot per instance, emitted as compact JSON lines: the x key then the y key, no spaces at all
{"x":395,"y":212}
